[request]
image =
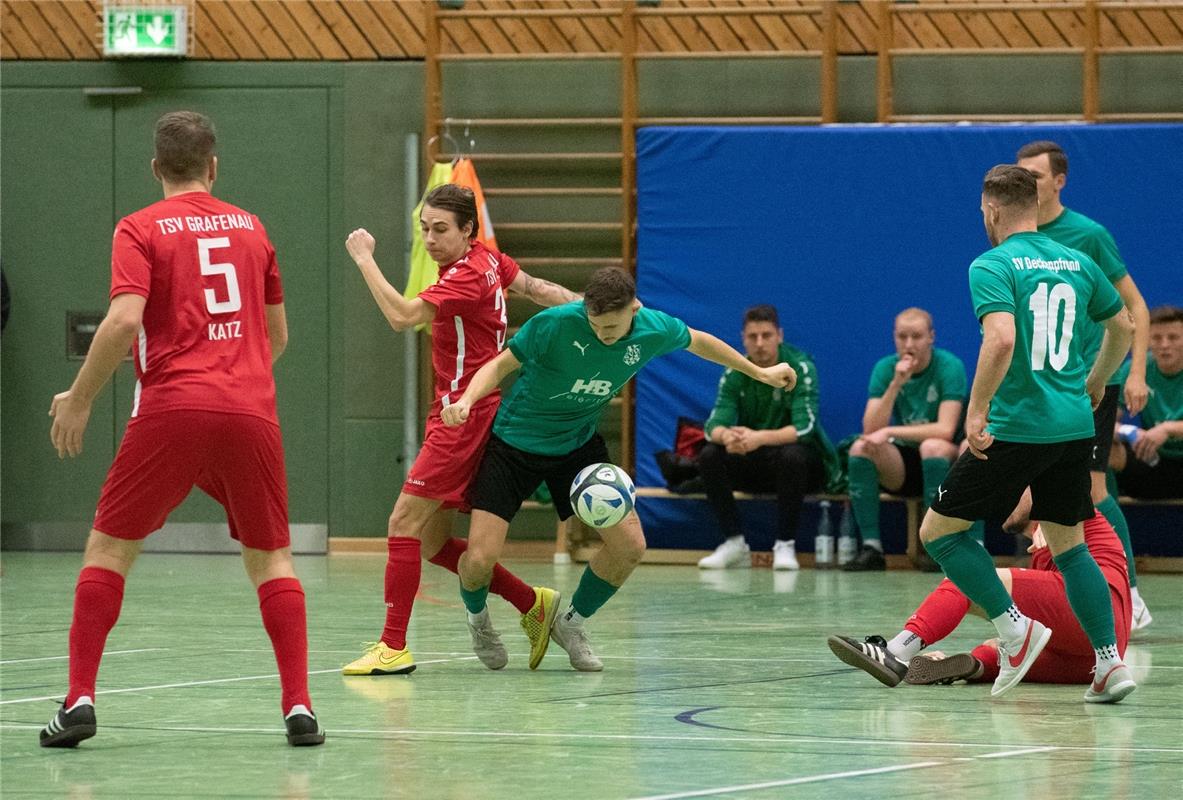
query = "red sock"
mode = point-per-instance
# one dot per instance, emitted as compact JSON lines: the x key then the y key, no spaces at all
{"x":939,"y":614}
{"x":505,"y":583}
{"x":281,"y":602}
{"x":98,"y":597}
{"x":403,"y":570}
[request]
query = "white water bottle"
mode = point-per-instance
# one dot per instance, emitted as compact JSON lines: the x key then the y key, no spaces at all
{"x":1129,"y":434}
{"x":823,"y":543}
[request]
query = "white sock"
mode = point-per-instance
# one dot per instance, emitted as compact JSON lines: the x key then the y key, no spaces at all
{"x":83,"y":700}
{"x":478,"y":619}
{"x":573,"y":617}
{"x":1107,"y":658}
{"x":905,"y":646}
{"x":299,"y":708}
{"x":1134,"y":596}
{"x":875,"y":544}
{"x":1011,"y":625}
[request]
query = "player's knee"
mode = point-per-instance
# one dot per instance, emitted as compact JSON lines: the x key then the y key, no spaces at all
{"x":861,"y":447}
{"x":791,"y":457}
{"x":937,"y":448}
{"x":711,"y":454}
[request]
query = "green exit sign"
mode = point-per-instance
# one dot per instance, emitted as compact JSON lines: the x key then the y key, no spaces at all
{"x":145,"y":30}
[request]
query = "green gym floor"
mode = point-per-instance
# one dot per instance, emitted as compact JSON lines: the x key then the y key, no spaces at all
{"x":715,"y":685}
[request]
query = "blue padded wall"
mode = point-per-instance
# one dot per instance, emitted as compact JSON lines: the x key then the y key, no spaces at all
{"x":842,"y":227}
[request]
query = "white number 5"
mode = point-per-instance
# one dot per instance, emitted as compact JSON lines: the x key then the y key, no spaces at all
{"x":233,"y":301}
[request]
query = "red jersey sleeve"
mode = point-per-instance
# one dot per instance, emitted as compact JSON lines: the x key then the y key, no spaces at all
{"x":456,"y":293}
{"x":131,"y":260}
{"x":272,"y":285}
{"x":508,"y":269}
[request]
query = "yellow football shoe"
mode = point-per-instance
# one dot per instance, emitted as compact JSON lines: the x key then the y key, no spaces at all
{"x":538,"y":621}
{"x":381,"y":660}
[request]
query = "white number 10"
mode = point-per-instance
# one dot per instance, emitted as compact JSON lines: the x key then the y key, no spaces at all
{"x":233,"y":301}
{"x":1045,"y":308}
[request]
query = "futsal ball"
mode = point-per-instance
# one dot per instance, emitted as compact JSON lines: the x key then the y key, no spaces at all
{"x":602,"y":495}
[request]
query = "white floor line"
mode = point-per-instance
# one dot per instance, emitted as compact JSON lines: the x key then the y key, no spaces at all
{"x":61,"y":658}
{"x":205,"y":683}
{"x":831,"y":776}
{"x":770,"y":660}
{"x":564,"y":735}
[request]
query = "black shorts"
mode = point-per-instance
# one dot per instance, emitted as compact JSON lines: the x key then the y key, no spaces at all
{"x":1057,"y":473}
{"x":507,"y":476}
{"x":1163,"y":481}
{"x":913,"y":485}
{"x":1104,"y":418}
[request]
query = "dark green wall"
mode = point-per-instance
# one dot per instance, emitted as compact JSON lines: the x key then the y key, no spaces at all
{"x":316,"y":150}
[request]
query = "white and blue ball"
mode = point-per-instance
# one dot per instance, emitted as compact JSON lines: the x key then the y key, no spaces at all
{"x":602,"y":495}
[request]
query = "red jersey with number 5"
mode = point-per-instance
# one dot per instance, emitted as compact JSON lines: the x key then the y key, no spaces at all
{"x":470,"y":322}
{"x":207,"y":269}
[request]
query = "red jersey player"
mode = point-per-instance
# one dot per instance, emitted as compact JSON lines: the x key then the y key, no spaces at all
{"x":195,"y":288}
{"x":1039,"y":590}
{"x":466,"y":309}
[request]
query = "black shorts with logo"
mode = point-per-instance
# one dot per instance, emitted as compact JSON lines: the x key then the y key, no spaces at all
{"x":1058,"y":474}
{"x":1104,"y":419}
{"x":507,"y":476}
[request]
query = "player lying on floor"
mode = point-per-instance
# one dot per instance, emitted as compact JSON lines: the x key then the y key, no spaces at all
{"x":1039,"y":592}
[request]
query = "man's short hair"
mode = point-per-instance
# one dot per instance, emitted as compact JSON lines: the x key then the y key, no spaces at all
{"x":185,"y":142}
{"x":1011,"y":185}
{"x":761,"y":313}
{"x":460,"y":201}
{"x":916,"y":311}
{"x":1164,"y":314}
{"x":610,"y":289}
{"x":1055,"y":155}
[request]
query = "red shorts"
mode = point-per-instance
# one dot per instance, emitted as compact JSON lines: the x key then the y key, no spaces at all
{"x":449,"y":458}
{"x":1069,"y":656}
{"x":237,"y":459}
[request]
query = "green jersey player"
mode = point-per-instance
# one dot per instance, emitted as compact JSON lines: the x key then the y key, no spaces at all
{"x":573,"y":359}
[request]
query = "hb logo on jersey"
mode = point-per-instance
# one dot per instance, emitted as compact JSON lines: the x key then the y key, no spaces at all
{"x":598,"y":388}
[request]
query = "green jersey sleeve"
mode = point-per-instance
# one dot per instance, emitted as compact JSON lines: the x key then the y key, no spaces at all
{"x":726,"y":410}
{"x":953,"y":381}
{"x":1105,"y":301}
{"x":675,"y":334}
{"x":881,"y":376}
{"x":805,"y":399}
{"x":990,"y":286}
{"x":1106,"y":255}
{"x":530,"y":342}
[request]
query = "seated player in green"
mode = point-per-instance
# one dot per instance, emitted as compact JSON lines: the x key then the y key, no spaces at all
{"x":573,"y":359}
{"x":1148,"y":459}
{"x":914,"y":406}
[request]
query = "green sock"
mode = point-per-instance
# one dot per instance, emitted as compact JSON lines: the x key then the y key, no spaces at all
{"x":935,"y":470}
{"x":1088,"y":594}
{"x":977,"y":532}
{"x":592,"y":593}
{"x":474,"y":600}
{"x":1111,"y":483}
{"x":1112,"y":512}
{"x":970,"y":567}
{"x":864,"y":496}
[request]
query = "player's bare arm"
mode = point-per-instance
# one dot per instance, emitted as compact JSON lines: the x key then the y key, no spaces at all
{"x":712,"y":348}
{"x":1119,"y":332}
{"x":945,"y":427}
{"x":486,"y":379}
{"x":400,"y":312}
{"x":541,"y":292}
{"x":998,"y":345}
{"x":1136,"y":390}
{"x":71,"y":409}
{"x":277,"y":329}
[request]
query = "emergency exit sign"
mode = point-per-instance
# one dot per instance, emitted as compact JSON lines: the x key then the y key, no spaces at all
{"x":145,"y":30}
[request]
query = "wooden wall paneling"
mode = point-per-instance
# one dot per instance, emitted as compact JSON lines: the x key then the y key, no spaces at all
{"x":983,"y":29}
{"x":376,"y":33}
{"x":922,"y":30}
{"x":1131,"y":26}
{"x":576,"y":34}
{"x":722,"y":38}
{"x":1070,"y":25}
{"x":289,"y":31}
{"x":602,"y":31}
{"x":1012,"y":30}
{"x":1164,"y":29}
{"x":857,"y":31}
{"x":6,"y":50}
{"x":232,"y":30}
{"x":745,"y":30}
{"x":782,"y":37}
{"x":690,"y":32}
{"x":493,"y":39}
{"x":86,"y":17}
{"x":80,"y":42}
{"x":343,"y":29}
{"x":952,"y":29}
{"x":549,"y":36}
{"x":400,"y":26}
{"x":208,"y":41}
{"x":806,"y":28}
{"x":1042,"y":31}
{"x":1110,"y":34}
{"x":318,"y":33}
{"x":662,"y":35}
{"x":39,"y":30}
{"x":517,"y":31}
{"x":458,"y":36}
{"x":261,"y":31}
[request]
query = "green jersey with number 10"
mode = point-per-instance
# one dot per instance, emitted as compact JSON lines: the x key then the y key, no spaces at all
{"x":1050,"y":289}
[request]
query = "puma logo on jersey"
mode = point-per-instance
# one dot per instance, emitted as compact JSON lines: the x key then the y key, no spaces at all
{"x":596,"y":387}
{"x":225,"y":330}
{"x":582,"y":348}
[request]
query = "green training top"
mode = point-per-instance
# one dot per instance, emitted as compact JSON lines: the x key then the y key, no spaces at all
{"x":1051,"y":290}
{"x":748,"y":402}
{"x":920,"y":398}
{"x":568,"y":375}
{"x":1165,"y":405}
{"x":1091,"y":238}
